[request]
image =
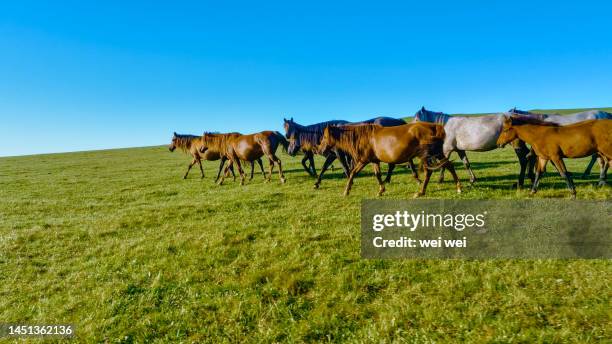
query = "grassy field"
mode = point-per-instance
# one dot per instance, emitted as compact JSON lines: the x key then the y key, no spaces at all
{"x":119,"y":244}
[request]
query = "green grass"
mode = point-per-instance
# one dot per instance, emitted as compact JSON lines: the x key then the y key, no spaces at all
{"x":119,"y":244}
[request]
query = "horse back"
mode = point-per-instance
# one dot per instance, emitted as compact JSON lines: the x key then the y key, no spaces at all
{"x":383,"y":121}
{"x":399,"y":143}
{"x":602,"y":132}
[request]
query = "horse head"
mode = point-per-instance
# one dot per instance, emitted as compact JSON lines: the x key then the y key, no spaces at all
{"x":508,"y":133}
{"x":288,"y":124}
{"x":172,"y":145}
{"x":294,"y":145}
{"x":327,"y":141}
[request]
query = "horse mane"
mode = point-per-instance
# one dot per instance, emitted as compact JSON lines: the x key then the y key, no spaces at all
{"x":522,"y":120}
{"x":313,"y":133}
{"x":217,"y":142}
{"x":353,"y":139}
{"x":516,"y":111}
{"x":184,"y":142}
{"x":432,"y":116}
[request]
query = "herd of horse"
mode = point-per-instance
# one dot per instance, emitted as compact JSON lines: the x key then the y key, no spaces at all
{"x":431,"y":137}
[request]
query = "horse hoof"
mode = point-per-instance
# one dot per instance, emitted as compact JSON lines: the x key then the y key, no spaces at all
{"x":459,"y":190}
{"x":602,"y":183}
{"x":416,"y":195}
{"x":283,"y":180}
{"x":316,"y":186}
{"x":573,"y":196}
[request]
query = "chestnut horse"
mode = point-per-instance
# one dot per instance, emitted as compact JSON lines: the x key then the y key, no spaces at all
{"x":247,"y":148}
{"x":371,"y":143}
{"x":191,"y":144}
{"x":551,"y":141}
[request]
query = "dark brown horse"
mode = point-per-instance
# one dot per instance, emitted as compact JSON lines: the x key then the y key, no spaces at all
{"x":306,"y":139}
{"x":247,"y":148}
{"x":551,"y":141}
{"x":374,"y":144}
{"x":191,"y":144}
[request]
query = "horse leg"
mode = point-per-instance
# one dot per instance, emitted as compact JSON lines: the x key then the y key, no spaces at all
{"x":233,"y":174}
{"x":226,"y":171}
{"x":453,"y":173}
{"x":389,"y":172}
{"x":532,"y":159}
{"x":603,"y":170}
{"x":358,"y":167}
{"x":521,"y":152}
{"x":223,"y":160}
{"x":345,"y":162}
{"x":560,"y":165}
{"x":428,"y":173}
{"x":312,"y":164}
{"x":241,"y":171}
{"x":201,"y":168}
{"x":306,"y":168}
{"x":263,"y":173}
{"x":280,"y":168}
{"x":466,"y":163}
{"x":414,"y":170}
{"x":443,"y":169}
{"x":271,"y":169}
{"x":378,"y":176}
{"x":587,"y":172}
{"x":189,"y":168}
{"x":252,"y":169}
{"x":538,"y":174}
{"x":328,"y":161}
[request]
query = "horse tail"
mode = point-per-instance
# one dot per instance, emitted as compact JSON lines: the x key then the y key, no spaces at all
{"x":439,"y":165}
{"x":439,"y":132}
{"x":433,"y":148}
{"x":282,"y":140}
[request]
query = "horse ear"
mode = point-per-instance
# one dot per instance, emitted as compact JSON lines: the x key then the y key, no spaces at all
{"x":174,"y":134}
{"x":291,"y":120}
{"x":422,"y":108}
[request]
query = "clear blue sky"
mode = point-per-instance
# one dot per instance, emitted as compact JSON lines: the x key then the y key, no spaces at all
{"x":80,"y":76}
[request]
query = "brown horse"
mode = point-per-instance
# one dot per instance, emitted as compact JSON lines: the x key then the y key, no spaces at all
{"x":247,"y":148}
{"x":553,"y":142}
{"x":374,"y":144}
{"x":191,"y":144}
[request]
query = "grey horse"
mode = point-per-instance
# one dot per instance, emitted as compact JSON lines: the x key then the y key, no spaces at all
{"x":473,"y":133}
{"x":566,"y":120}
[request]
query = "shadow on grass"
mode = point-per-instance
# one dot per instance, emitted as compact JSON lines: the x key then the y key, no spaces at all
{"x":487,"y":165}
{"x":507,"y":182}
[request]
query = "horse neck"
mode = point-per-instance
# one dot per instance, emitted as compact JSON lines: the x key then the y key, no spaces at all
{"x":442,"y":118}
{"x":438,"y":117}
{"x":297,"y":128}
{"x":185,"y":143}
{"x":217,"y":143}
{"x":310,"y":137}
{"x":354,"y":141}
{"x":530,"y":132}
